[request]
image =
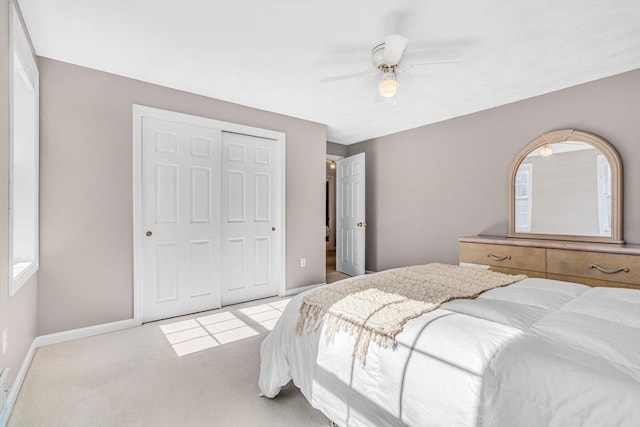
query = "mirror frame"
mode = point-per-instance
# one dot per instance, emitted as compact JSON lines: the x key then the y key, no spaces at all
{"x":615,"y":163}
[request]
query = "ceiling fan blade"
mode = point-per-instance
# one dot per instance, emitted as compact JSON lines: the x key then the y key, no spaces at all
{"x":346,"y":76}
{"x":412,"y":68}
{"x":394,"y":46}
{"x":418,"y":64}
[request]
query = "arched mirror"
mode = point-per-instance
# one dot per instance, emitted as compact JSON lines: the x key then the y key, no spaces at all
{"x":566,"y":185}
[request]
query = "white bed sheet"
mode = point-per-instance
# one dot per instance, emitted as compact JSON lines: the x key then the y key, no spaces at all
{"x":536,"y":353}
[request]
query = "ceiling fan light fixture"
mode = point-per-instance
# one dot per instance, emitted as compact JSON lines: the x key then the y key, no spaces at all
{"x":388,"y":87}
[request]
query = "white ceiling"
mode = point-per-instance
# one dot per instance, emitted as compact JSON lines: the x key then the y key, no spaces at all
{"x":272,"y":54}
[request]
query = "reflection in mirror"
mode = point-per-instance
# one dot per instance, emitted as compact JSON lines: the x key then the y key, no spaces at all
{"x":564,"y":188}
{"x":566,"y":185}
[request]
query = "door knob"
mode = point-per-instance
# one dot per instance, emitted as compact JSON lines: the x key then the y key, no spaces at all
{"x":361,"y":224}
{"x":273,"y":229}
{"x":148,"y":233}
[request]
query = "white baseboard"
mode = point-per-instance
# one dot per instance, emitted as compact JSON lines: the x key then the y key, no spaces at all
{"x":59,"y":337}
{"x":17,"y":384}
{"x":295,"y":291}
{"x":89,"y":331}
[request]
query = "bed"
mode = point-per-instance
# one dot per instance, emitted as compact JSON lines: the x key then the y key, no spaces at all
{"x":535,"y":353}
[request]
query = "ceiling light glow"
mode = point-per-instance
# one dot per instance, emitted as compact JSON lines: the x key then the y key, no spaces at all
{"x":546,"y":151}
{"x":388,"y":87}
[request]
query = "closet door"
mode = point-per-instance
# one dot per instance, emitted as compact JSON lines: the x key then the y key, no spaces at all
{"x":251,"y":232}
{"x":181,"y":218}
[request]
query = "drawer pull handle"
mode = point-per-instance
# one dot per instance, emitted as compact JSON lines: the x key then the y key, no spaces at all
{"x":497,"y":257}
{"x":609,"y":270}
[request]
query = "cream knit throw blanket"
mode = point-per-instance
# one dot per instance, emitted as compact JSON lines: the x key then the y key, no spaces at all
{"x":375,"y":307}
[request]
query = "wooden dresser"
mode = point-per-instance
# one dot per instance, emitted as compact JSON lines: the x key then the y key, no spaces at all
{"x":593,"y":264}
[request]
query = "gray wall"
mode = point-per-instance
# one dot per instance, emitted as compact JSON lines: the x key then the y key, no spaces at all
{"x":337,"y":149}
{"x":430,"y":185}
{"x":86,"y":190}
{"x":17,"y":313}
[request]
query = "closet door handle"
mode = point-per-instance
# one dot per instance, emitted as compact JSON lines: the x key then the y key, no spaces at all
{"x":609,"y":270}
{"x":498,"y":257}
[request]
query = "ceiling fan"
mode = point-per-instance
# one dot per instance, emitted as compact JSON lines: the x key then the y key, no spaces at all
{"x":385,"y":58}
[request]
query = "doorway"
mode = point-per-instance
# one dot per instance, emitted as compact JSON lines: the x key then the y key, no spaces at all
{"x":332,"y":275}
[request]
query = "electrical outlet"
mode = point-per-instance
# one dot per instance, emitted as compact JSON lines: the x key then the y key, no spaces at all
{"x":303,"y":262}
{"x":5,"y":339}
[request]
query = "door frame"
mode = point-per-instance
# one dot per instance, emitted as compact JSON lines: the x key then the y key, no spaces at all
{"x":140,"y":112}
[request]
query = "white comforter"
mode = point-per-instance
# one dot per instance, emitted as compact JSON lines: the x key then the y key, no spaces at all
{"x":536,"y":353}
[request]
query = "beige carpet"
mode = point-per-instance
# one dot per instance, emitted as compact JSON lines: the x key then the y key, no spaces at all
{"x":135,"y":378}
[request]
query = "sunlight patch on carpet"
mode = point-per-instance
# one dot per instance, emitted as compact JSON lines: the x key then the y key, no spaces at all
{"x":201,"y":333}
{"x":266,"y":314}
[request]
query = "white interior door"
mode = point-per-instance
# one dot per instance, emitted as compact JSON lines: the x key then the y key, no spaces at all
{"x":351,"y":220}
{"x":251,"y":200}
{"x":181,"y":218}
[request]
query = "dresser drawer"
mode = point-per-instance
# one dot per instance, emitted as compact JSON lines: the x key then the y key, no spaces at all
{"x":512,"y":257}
{"x":592,"y":282}
{"x":594,"y":265}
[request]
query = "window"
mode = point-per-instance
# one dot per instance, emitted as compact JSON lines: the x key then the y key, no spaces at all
{"x":523,"y":197}
{"x":604,"y":195}
{"x":23,"y":168}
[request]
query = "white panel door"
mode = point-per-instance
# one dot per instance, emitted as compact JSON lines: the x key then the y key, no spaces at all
{"x":181,"y":216}
{"x":251,"y":255}
{"x":351,"y":221}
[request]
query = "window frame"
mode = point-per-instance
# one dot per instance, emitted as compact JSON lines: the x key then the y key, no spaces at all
{"x":20,"y":48}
